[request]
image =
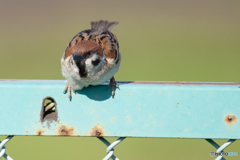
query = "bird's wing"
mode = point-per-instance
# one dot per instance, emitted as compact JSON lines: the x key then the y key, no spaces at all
{"x":105,"y":38}
{"x":109,"y":43}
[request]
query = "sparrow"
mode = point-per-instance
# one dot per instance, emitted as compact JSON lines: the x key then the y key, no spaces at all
{"x":91,"y":58}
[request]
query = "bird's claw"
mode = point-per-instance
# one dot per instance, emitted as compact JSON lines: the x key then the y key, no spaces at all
{"x":68,"y":89}
{"x":113,"y":82}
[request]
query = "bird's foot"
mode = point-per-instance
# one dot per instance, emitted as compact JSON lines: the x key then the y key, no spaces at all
{"x":68,"y":89}
{"x":112,"y":83}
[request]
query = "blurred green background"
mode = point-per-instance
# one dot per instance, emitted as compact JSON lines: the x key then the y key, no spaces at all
{"x":160,"y":40}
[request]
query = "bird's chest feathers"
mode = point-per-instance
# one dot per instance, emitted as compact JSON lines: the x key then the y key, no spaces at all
{"x":96,"y":74}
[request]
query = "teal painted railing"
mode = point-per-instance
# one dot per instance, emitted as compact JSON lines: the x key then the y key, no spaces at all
{"x":139,"y":109}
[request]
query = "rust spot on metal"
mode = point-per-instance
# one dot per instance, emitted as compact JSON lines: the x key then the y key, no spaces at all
{"x":239,"y":87}
{"x":128,"y":118}
{"x":230,"y":118}
{"x":49,"y":114}
{"x":96,"y":96}
{"x":114,"y":120}
{"x":97,"y":131}
{"x":64,"y":130}
{"x":129,"y":94}
{"x":154,"y":123}
{"x":40,"y":132}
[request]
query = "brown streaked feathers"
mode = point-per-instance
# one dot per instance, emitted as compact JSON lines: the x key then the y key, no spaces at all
{"x":101,"y":34}
{"x":85,"y":46}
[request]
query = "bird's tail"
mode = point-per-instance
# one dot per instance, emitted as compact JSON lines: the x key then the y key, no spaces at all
{"x":103,"y":25}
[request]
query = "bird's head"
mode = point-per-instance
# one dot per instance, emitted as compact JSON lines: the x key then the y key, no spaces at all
{"x":88,"y":57}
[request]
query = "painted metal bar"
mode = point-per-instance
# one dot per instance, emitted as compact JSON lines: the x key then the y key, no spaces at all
{"x":139,"y":109}
{"x":3,"y":148}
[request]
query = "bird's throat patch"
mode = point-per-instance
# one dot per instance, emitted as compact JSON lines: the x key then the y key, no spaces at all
{"x":82,"y":69}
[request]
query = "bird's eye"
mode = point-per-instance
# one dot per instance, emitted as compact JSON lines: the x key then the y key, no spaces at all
{"x":88,"y":53}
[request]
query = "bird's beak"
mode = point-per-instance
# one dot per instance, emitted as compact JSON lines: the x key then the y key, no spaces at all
{"x":77,"y":57}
